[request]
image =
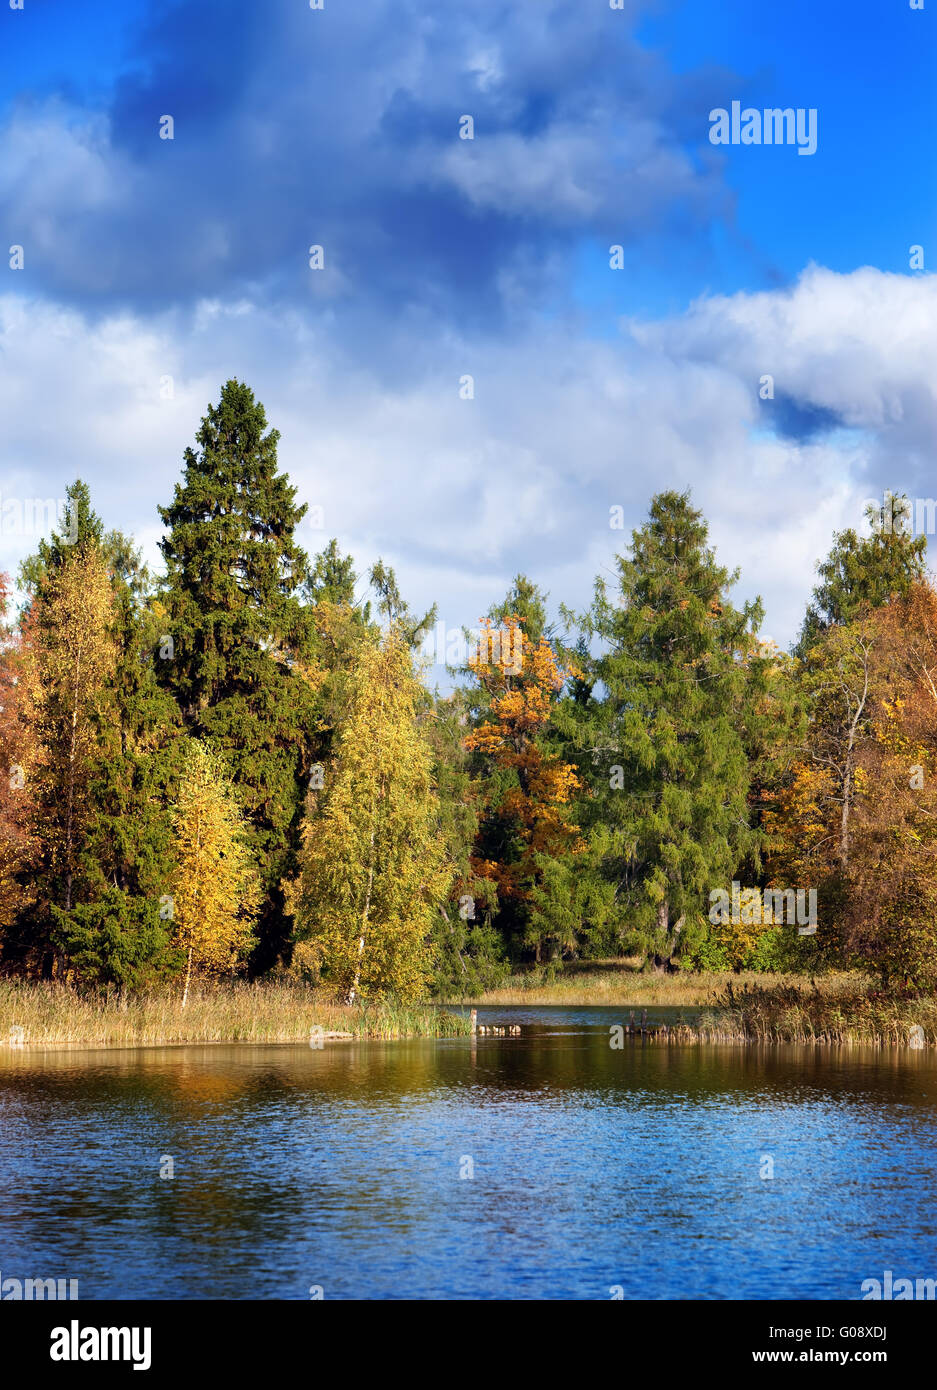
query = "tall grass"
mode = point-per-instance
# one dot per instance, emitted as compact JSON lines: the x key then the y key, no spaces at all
{"x":835,"y":1010}
{"x":256,"y":1013}
{"x":622,"y":981}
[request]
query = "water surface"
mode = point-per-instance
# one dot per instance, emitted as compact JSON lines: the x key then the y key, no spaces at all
{"x":545,"y":1166}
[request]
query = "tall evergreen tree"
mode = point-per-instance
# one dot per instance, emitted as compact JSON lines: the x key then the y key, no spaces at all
{"x":121,"y":934}
{"x":863,"y":572}
{"x":663,"y":739}
{"x":241,"y":638}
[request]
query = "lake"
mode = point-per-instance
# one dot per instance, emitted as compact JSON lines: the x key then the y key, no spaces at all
{"x":542,"y":1166}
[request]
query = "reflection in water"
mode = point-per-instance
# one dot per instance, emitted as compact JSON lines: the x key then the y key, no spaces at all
{"x":593,"y":1167}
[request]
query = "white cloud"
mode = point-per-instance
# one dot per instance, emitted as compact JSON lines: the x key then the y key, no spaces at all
{"x":461,"y":494}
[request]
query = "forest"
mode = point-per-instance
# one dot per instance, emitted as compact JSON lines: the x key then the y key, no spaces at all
{"x":237,"y":767}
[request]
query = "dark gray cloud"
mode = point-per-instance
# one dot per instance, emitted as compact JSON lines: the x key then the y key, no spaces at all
{"x":341,"y":128}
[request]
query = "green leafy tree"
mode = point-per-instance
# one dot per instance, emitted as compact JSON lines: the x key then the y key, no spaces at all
{"x":469,"y":955}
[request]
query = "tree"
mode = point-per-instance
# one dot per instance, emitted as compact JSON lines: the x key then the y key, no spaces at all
{"x":858,"y":820}
{"x":679,"y":684}
{"x":69,"y":659}
{"x":525,"y":789}
{"x":863,"y":572}
{"x":242,"y":668}
{"x":118,"y":935}
{"x":340,"y":625}
{"x":214,"y":887}
{"x":468,"y":948}
{"x":373,"y":866}
{"x":395,"y":609}
{"x":16,"y":843}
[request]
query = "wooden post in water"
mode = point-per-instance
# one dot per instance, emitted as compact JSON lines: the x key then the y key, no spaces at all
{"x":474,"y":1017}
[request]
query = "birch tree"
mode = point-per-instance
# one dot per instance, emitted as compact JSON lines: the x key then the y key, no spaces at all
{"x":215,"y":889}
{"x":373,"y":863}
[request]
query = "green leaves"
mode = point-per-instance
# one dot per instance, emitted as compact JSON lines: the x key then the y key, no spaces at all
{"x":678,"y":681}
{"x":241,"y":638}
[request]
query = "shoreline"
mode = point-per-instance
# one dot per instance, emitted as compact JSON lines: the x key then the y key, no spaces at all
{"x":834,"y":1010}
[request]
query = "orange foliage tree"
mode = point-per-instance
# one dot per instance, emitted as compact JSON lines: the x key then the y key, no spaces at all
{"x":530,"y":795}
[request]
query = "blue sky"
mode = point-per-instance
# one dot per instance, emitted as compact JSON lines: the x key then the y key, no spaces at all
{"x":149,"y":259}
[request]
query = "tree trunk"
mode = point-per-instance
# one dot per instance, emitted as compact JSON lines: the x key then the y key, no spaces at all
{"x":188,"y":976}
{"x":847,"y":776}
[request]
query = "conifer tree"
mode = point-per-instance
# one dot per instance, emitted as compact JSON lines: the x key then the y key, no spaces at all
{"x":373,"y":864}
{"x":241,"y":639}
{"x":864,"y":572}
{"x":121,"y":934}
{"x":664,"y":740}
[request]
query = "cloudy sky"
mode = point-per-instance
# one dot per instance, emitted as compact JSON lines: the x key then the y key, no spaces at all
{"x":153,"y":269}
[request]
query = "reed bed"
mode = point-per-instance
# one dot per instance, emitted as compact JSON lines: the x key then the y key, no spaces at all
{"x":834,"y":1010}
{"x":53,"y":1014}
{"x":622,"y":981}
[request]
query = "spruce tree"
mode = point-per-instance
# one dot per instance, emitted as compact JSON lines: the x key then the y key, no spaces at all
{"x":864,"y":572}
{"x":121,"y":934}
{"x":240,"y":635}
{"x":663,"y":735}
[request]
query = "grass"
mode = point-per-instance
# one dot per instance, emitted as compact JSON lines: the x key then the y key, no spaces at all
{"x":836,"y":1009}
{"x":738,"y":1008}
{"x":621,"y":981}
{"x":51,"y":1014}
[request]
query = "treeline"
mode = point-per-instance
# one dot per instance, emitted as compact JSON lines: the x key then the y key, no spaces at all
{"x":237,"y":766}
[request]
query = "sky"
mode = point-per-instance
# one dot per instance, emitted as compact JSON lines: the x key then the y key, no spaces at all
{"x":766,"y":338}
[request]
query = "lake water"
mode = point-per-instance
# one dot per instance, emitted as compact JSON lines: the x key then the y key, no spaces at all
{"x":348,"y":1168}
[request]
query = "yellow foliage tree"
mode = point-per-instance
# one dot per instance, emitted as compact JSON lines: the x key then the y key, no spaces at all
{"x":215,"y":891}
{"x":373,"y":864}
{"x":69,"y":658}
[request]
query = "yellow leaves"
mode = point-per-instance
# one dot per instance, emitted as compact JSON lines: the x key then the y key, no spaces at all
{"x":800,"y":822}
{"x":215,"y":889}
{"x":373,"y":864}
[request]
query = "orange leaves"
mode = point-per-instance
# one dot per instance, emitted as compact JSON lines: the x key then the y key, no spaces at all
{"x":523,"y":682}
